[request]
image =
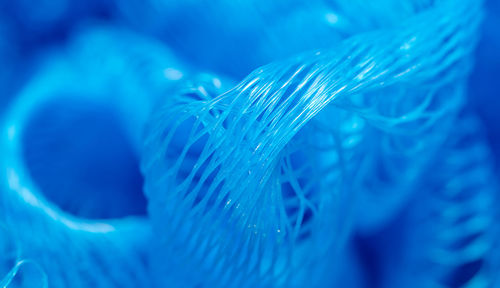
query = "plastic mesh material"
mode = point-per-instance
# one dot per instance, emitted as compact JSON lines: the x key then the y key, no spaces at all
{"x":250,"y":186}
{"x":262,"y":183}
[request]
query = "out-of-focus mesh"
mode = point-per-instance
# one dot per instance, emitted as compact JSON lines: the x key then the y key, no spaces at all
{"x":99,"y":66}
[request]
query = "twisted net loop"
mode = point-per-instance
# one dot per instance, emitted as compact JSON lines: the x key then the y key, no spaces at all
{"x":250,"y":186}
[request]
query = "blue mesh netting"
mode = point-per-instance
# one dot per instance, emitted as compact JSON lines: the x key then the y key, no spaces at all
{"x":353,"y":155}
{"x":263,"y":168}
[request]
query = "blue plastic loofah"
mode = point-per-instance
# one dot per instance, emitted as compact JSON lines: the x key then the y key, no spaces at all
{"x":361,"y":163}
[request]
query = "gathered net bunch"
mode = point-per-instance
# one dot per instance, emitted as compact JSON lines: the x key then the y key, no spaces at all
{"x":253,"y":187}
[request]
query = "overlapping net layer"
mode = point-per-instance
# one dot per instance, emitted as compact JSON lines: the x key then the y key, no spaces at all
{"x":253,"y":187}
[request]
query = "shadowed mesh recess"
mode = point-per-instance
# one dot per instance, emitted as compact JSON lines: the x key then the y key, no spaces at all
{"x":81,"y":159}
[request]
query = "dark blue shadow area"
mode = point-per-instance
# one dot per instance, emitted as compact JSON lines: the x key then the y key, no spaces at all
{"x":379,"y":254}
{"x":483,"y":86}
{"x":79,"y":156}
